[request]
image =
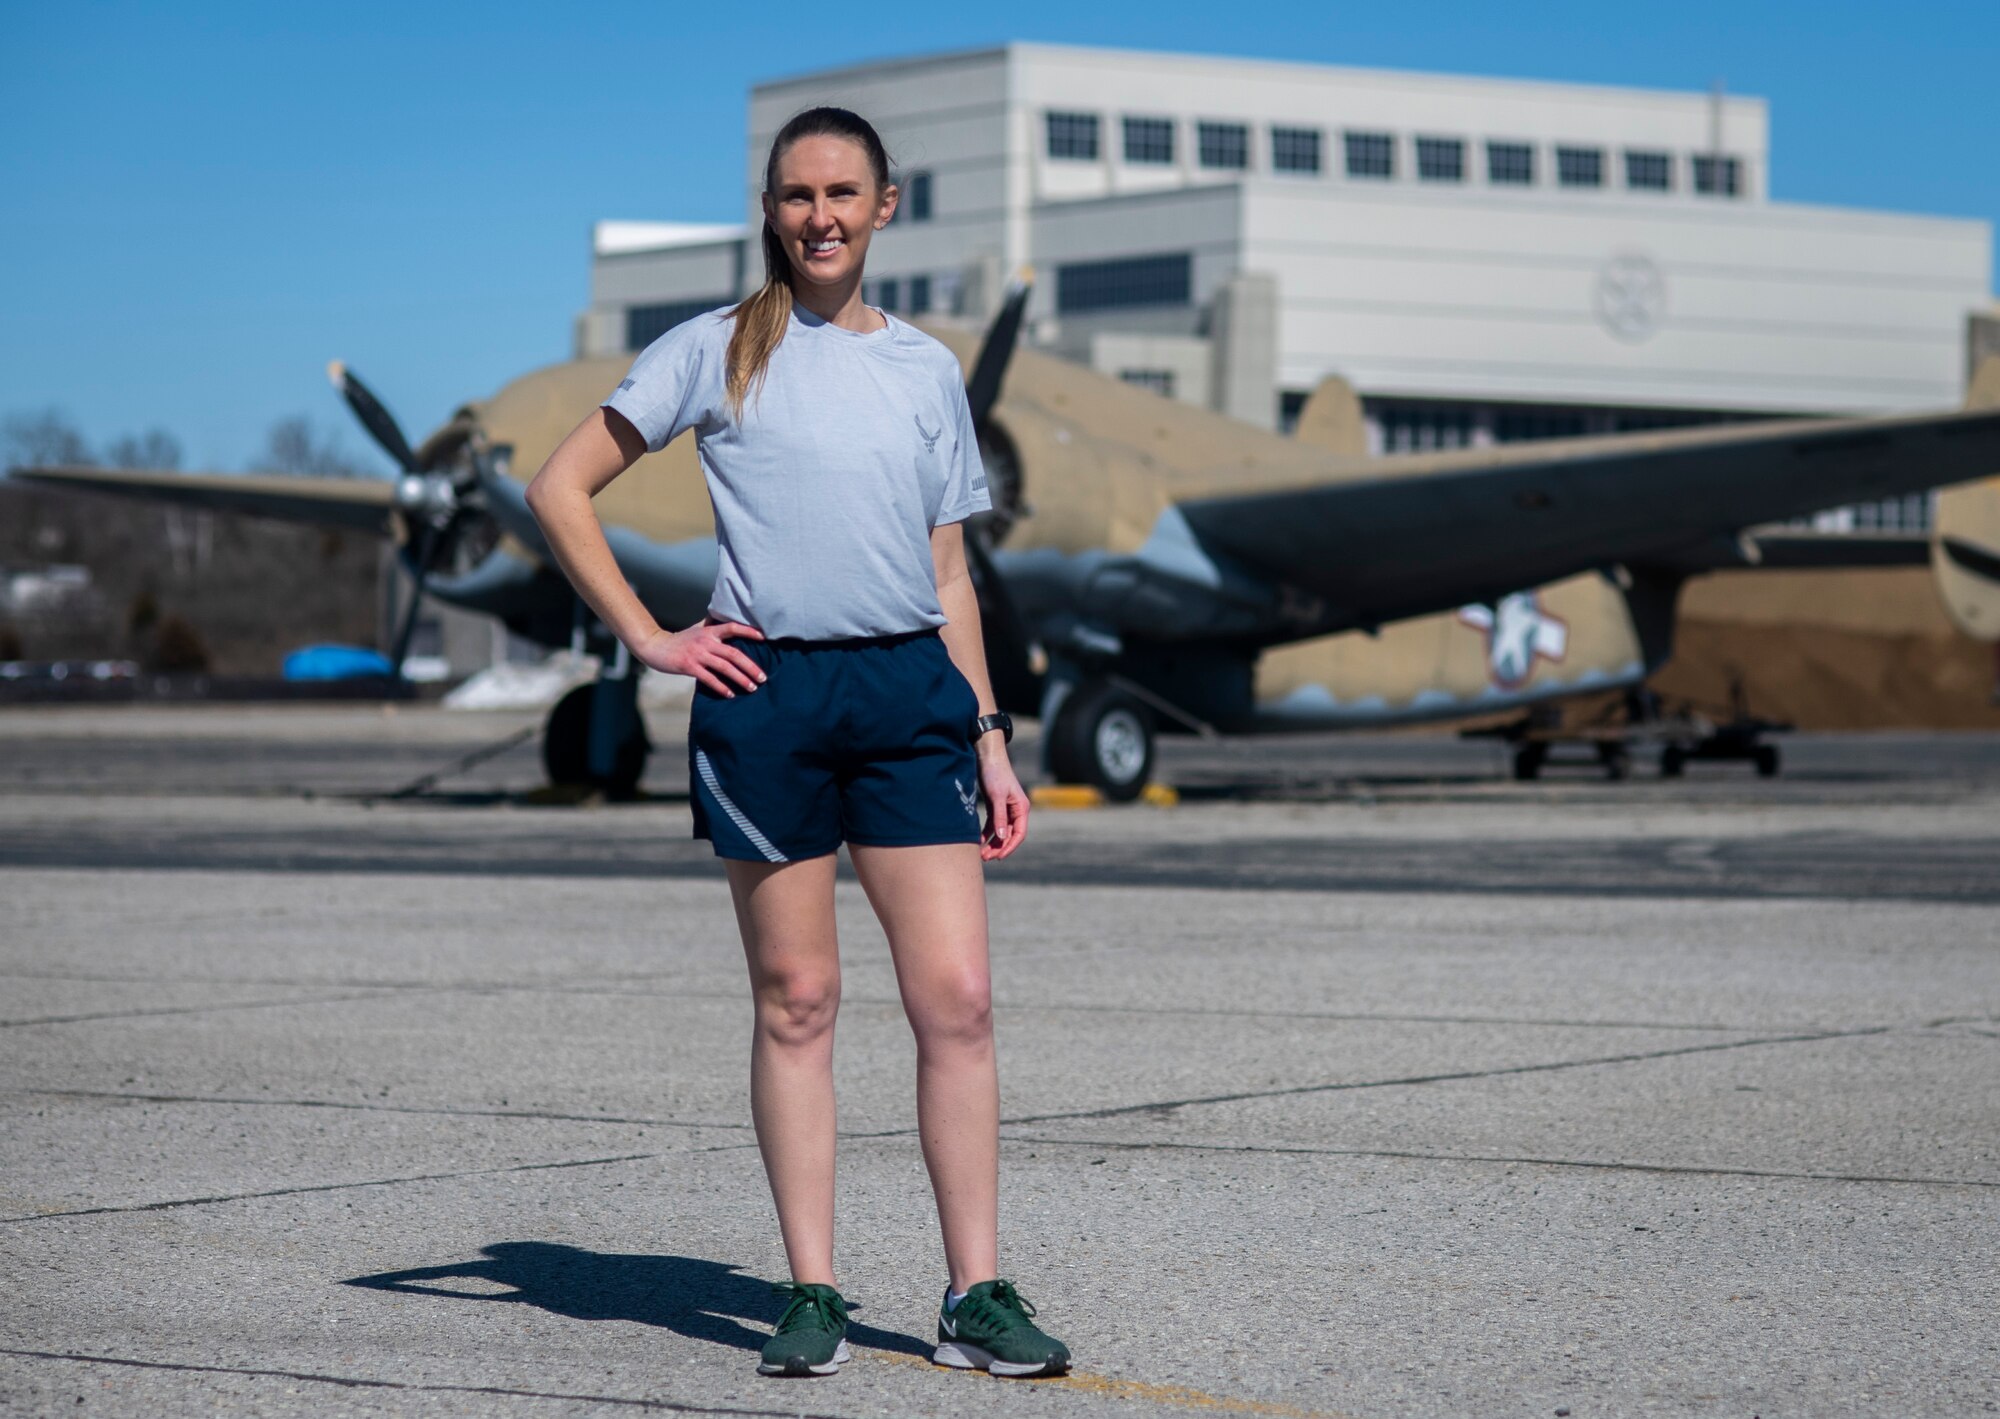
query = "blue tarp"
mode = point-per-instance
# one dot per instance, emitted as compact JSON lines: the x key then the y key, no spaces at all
{"x":336,"y":662}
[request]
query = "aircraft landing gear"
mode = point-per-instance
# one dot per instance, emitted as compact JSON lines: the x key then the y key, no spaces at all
{"x":1103,"y":737}
{"x":1613,"y":736}
{"x":596,"y":738}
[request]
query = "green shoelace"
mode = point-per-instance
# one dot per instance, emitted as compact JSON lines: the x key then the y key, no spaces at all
{"x":812,"y":1308}
{"x":1002,"y":1308}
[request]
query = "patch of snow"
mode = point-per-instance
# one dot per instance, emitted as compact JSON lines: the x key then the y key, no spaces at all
{"x":514,"y":686}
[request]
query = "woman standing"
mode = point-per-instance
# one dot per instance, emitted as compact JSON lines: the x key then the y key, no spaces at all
{"x":842,"y":696}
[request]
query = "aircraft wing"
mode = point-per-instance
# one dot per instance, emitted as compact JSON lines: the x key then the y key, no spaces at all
{"x":1448,"y":530}
{"x":363,"y":504}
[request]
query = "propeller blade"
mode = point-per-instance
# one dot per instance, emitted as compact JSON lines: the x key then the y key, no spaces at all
{"x":982,"y":391}
{"x":429,"y":541}
{"x":379,"y":422}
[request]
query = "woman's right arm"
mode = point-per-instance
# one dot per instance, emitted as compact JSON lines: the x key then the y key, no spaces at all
{"x":597,"y":450}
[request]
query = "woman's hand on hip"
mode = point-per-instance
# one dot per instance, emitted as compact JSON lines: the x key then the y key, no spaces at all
{"x":1006,"y":807}
{"x":703,"y":651}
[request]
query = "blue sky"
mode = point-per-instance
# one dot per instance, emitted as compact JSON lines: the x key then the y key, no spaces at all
{"x":203,"y":204}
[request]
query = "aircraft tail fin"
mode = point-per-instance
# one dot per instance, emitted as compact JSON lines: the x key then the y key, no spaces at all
{"x":1332,"y":420}
{"x":1965,"y":540}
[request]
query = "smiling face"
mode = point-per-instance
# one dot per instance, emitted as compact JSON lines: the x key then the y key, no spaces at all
{"x":825,"y":205}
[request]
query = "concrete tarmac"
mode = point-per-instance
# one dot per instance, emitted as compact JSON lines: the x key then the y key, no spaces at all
{"x":1365,"y":1082}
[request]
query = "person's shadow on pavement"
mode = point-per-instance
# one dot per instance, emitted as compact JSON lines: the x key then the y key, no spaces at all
{"x":703,"y":1300}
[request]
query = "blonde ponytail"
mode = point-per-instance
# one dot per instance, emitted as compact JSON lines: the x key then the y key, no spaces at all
{"x":760,"y":325}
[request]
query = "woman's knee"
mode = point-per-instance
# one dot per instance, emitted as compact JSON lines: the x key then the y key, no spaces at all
{"x":797,"y":1007}
{"x":955,"y":1009}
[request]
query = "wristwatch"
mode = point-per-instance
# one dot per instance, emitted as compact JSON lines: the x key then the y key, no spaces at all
{"x":987,"y":723}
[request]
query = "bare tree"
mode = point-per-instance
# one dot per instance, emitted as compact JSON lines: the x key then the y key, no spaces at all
{"x":296,"y":446}
{"x":42,"y":439}
{"x":155,"y":448}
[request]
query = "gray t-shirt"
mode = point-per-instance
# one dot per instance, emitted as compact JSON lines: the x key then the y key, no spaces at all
{"x":826,"y":491}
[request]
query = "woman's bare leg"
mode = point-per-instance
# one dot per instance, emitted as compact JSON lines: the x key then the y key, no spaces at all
{"x":932,"y":903}
{"x":785,"y":913}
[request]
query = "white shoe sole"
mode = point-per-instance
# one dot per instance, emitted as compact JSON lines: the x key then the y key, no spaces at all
{"x":840,"y":1358}
{"x":963,"y":1356}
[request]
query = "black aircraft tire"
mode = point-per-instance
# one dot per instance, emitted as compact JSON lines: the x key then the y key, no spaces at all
{"x":566,"y":748}
{"x":1103,"y":737}
{"x":1528,"y":761}
{"x":1767,"y":761}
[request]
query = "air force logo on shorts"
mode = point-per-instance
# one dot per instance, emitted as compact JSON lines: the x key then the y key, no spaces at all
{"x":968,"y":801}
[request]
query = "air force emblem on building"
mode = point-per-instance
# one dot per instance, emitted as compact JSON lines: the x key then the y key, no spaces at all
{"x":1630,"y":296}
{"x":930,"y":439}
{"x":1518,"y":632}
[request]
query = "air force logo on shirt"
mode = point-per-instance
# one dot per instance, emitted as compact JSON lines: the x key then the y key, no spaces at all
{"x":930,"y":439}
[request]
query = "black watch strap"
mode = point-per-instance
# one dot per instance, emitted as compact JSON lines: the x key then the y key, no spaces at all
{"x":987,"y":723}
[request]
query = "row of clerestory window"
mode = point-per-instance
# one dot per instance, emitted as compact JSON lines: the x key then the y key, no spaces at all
{"x":1372,"y":154}
{"x":906,"y":295}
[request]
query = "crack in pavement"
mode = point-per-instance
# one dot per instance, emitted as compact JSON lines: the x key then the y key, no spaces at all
{"x":671,"y":1406}
{"x":1381,"y":1017}
{"x":1293,"y":1091}
{"x":1338,"y":1016}
{"x":1600,"y":1165}
{"x":434,"y":1111}
{"x":304,"y":983}
{"x":606,"y":986}
{"x":183,"y":1010}
{"x":1127,"y":1145}
{"x":1112,"y":1111}
{"x":329,"y":1187}
{"x":1079,"y":1114}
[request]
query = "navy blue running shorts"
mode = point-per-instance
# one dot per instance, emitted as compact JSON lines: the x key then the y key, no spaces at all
{"x":863,"y":741}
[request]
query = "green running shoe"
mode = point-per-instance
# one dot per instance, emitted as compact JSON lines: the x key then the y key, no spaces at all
{"x":990,"y":1330}
{"x":812,"y":1333}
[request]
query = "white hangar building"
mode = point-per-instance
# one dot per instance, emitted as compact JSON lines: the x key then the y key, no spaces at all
{"x":1483,"y":259}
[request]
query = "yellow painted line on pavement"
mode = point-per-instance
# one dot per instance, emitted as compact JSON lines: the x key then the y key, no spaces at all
{"x":1083,"y":795}
{"x":1065,"y":795}
{"x":1138,"y":1391}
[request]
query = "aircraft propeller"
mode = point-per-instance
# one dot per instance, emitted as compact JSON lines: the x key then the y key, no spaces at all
{"x":430,"y":501}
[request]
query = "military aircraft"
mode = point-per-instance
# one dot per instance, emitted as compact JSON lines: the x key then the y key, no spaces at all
{"x":1144,"y":556}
